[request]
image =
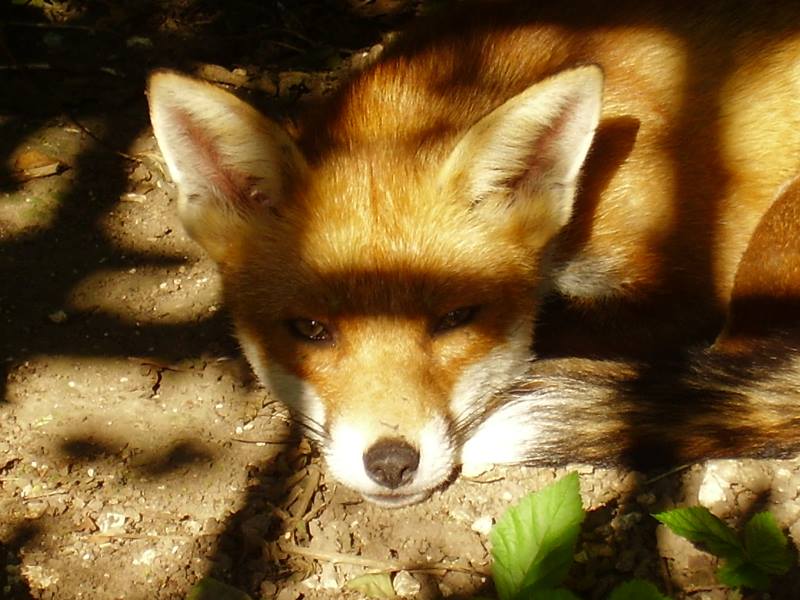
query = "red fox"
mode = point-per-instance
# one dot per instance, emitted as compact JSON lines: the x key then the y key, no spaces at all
{"x":437,"y":267}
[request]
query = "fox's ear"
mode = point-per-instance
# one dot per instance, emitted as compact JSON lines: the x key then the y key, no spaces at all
{"x":230,"y":163}
{"x":526,"y":155}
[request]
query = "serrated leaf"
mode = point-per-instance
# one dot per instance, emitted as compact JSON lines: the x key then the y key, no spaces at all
{"x":766,"y":546}
{"x":374,"y":585}
{"x":743,"y":574}
{"x":533,"y":542}
{"x":209,"y":588}
{"x":698,"y":525}
{"x":636,"y":589}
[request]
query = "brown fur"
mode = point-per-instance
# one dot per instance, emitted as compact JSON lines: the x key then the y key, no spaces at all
{"x":691,"y":150}
{"x":446,"y":176}
{"x":648,"y":416}
{"x":739,"y":398}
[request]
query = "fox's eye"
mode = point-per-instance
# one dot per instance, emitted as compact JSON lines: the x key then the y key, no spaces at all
{"x":455,"y":318}
{"x":310,"y":330}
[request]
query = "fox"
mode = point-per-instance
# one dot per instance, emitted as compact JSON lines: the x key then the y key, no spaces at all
{"x":525,"y":234}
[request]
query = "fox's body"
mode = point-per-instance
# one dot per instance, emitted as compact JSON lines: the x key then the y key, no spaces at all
{"x":385,"y":268}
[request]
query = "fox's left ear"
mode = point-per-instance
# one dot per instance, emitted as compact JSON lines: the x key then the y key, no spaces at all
{"x":230,"y":163}
{"x":526,"y":155}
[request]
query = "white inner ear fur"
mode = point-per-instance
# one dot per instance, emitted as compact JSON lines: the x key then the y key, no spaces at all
{"x":530,"y":150}
{"x":227,"y":160}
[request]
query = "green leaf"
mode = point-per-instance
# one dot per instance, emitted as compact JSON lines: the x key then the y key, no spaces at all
{"x":209,"y":588}
{"x":374,"y":585}
{"x":533,"y":543}
{"x":743,"y":574}
{"x":636,"y":589}
{"x":765,"y":550}
{"x":766,"y":546}
{"x":556,"y":594}
{"x":698,"y":525}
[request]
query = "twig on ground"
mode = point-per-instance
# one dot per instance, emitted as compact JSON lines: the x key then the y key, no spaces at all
{"x":40,"y":25}
{"x":102,"y":142}
{"x":666,"y":474}
{"x":380,"y":565}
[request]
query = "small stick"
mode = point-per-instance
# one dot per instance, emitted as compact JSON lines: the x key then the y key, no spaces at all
{"x":666,"y":474}
{"x":309,"y":489}
{"x":38,"y":25}
{"x":380,"y":565}
{"x":91,"y":134}
{"x":53,"y":168}
{"x":27,"y":67}
{"x":259,"y":442}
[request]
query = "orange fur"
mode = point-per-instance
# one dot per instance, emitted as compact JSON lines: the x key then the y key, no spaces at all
{"x":454,"y":177}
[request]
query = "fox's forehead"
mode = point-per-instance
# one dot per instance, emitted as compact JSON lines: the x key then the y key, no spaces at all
{"x":376,"y":243}
{"x":388,"y":213}
{"x":323,"y":280}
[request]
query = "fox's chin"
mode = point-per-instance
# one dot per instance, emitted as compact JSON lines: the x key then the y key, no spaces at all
{"x":396,"y":500}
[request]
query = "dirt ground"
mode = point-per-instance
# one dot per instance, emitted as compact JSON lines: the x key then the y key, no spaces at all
{"x":137,"y":454}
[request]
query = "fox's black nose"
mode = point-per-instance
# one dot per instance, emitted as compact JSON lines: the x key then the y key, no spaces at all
{"x":391,"y":462}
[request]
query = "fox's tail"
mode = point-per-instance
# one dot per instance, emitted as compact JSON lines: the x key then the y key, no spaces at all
{"x":738,"y":398}
{"x":710,"y":405}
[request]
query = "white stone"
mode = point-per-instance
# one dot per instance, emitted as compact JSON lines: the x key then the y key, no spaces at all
{"x":329,"y":578}
{"x":483,"y":525}
{"x":111,"y":522}
{"x":713,"y":488}
{"x":405,"y":585}
{"x":145,"y":558}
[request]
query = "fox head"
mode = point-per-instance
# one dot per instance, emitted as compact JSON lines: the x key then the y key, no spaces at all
{"x":382,"y":284}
